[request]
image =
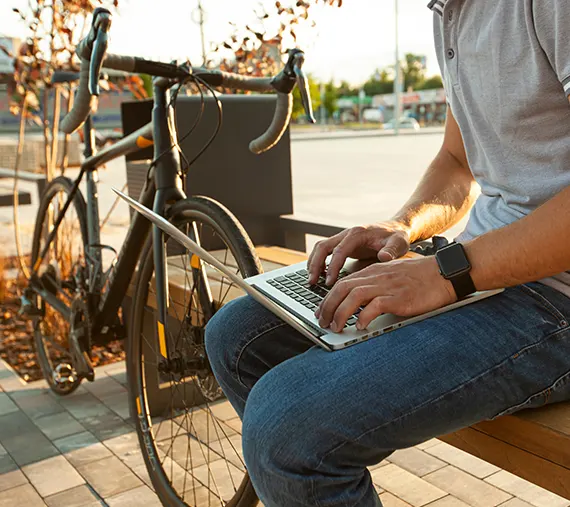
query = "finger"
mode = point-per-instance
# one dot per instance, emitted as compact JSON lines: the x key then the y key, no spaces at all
{"x":334,"y":298}
{"x":356,"y":298}
{"x":396,"y":246}
{"x":339,"y":256}
{"x":316,"y":262}
{"x":375,"y":308}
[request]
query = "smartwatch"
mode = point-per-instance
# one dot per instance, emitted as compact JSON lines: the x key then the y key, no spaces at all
{"x":455,"y":267}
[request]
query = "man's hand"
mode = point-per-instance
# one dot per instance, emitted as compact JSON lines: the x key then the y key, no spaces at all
{"x":385,"y":241}
{"x":404,"y":287}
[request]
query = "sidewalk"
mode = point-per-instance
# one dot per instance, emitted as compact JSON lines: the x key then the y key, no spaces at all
{"x":82,"y":451}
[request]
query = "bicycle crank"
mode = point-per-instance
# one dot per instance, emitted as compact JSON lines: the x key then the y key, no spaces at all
{"x":79,"y":339}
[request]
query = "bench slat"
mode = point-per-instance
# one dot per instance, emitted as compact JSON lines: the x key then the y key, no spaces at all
{"x":532,"y":467}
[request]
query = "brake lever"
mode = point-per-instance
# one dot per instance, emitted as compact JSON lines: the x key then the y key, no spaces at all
{"x":293,"y":74}
{"x":101,"y":27}
{"x":303,"y":85}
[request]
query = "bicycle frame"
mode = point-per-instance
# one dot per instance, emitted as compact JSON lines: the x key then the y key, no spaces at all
{"x":162,"y":188}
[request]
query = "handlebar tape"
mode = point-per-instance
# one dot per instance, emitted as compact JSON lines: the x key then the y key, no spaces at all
{"x":270,"y":138}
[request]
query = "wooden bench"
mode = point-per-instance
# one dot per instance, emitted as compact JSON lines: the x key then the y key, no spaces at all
{"x":6,"y":198}
{"x":532,"y":444}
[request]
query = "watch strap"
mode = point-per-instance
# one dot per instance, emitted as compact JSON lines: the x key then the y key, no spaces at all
{"x":463,"y":285}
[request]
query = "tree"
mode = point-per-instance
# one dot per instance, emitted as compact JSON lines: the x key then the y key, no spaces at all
{"x":379,"y":84}
{"x":314,"y":92}
{"x":432,"y":83}
{"x":345,"y":90}
{"x":331,"y":96}
{"x":257,"y":48}
{"x":414,"y":70}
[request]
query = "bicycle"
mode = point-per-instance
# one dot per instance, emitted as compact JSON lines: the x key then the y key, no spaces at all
{"x":75,"y":303}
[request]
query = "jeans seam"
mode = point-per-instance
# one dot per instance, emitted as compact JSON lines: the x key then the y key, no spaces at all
{"x":273,"y":327}
{"x":546,"y":304}
{"x":421,"y":406}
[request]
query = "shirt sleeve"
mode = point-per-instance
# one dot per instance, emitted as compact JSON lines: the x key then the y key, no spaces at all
{"x":552,"y":25}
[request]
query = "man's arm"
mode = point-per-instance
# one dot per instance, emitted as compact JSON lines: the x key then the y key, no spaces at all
{"x":445,"y":193}
{"x":535,"y":247}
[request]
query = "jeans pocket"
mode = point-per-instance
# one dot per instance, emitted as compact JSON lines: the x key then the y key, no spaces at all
{"x":558,"y":391}
{"x":544,"y":302}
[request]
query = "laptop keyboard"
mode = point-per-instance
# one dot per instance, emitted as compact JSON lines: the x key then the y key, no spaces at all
{"x":296,"y":285}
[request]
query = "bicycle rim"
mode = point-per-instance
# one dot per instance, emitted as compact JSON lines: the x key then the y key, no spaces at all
{"x":190,"y":435}
{"x":60,"y":273}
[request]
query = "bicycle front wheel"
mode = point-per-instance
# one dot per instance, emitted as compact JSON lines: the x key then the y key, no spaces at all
{"x":189,"y":435}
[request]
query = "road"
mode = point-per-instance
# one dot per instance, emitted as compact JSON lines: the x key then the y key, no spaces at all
{"x":341,"y":181}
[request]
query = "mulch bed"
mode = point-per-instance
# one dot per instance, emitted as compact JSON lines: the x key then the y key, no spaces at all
{"x":17,"y":339}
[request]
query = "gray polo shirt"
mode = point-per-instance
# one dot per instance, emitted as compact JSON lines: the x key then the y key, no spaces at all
{"x":506,"y":71}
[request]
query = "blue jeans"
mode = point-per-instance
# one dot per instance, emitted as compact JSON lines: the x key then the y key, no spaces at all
{"x":314,"y":420}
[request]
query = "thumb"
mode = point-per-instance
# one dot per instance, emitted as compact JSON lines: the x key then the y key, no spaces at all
{"x":395,"y":247}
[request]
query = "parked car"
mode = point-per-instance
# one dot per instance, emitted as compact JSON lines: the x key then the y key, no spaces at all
{"x":405,"y":123}
{"x":372,"y":116}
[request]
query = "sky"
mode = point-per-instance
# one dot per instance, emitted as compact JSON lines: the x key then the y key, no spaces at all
{"x":348,"y":43}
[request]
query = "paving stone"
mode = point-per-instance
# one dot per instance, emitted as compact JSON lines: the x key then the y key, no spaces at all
{"x":110,"y":369}
{"x":120,"y":377}
{"x":7,"y":406}
{"x":235,"y":424}
{"x":109,"y":476}
{"x":406,"y":486}
{"x":223,"y":410}
{"x":37,"y":403}
{"x":21,"y":496}
{"x":23,"y":440}
{"x":429,"y":443}
{"x":108,"y":426}
{"x":515,"y":502}
{"x":135,"y":498}
{"x":389,"y":500}
{"x":449,"y":501}
{"x":12,"y":479}
{"x":58,"y":425}
{"x":52,"y":475}
{"x":118,"y":403}
{"x":416,"y":461}
{"x":462,"y":460}
{"x":527,"y":491}
{"x":80,"y":496}
{"x":82,"y":448}
{"x":123,"y":444}
{"x":104,"y":386}
{"x":464,"y":486}
{"x":85,"y":406}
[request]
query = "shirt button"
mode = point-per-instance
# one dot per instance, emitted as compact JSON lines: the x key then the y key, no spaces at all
{"x":450,"y":54}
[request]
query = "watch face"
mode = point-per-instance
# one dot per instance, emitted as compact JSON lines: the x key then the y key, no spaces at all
{"x":452,"y":260}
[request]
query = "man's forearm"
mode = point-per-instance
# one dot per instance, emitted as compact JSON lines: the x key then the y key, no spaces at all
{"x":443,"y":197}
{"x":535,"y":247}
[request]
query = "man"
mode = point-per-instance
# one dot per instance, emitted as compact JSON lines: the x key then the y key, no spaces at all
{"x":313,"y":420}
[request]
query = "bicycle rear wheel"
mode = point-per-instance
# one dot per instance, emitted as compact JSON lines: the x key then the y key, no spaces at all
{"x":189,"y":436}
{"x":63,"y":273}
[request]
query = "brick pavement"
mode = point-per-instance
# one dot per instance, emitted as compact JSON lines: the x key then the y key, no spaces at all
{"x":82,"y":451}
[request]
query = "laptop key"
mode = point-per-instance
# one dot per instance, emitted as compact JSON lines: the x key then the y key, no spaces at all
{"x":280,"y":279}
{"x":352,"y":321}
{"x":303,"y":272}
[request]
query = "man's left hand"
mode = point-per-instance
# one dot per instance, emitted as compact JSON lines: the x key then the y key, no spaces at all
{"x":404,"y":287}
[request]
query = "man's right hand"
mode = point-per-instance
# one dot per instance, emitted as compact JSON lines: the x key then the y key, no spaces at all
{"x":385,"y":241}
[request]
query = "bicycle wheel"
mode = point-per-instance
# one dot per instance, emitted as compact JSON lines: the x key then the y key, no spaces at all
{"x":62,"y":273}
{"x":190,"y":437}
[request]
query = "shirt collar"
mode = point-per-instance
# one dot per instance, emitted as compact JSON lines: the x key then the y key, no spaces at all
{"x":437,"y":6}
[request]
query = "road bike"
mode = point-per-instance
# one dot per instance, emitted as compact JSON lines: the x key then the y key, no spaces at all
{"x":76,"y":301}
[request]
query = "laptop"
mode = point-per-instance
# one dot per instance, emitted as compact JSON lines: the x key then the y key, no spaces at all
{"x":287,"y":293}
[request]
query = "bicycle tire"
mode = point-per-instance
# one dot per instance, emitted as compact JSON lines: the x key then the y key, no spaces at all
{"x":183,"y":214}
{"x":58,"y":185}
